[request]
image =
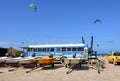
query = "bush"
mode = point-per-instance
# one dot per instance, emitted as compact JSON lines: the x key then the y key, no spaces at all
{"x":15,"y":54}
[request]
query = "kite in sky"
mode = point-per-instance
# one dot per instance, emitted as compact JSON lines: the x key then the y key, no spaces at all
{"x":97,"y":20}
{"x":33,"y":5}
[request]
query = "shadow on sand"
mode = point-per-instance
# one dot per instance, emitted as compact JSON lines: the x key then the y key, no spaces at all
{"x":1,"y":72}
{"x":46,"y":67}
{"x":77,"y":68}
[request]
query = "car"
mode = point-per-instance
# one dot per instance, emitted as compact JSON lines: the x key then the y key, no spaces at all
{"x":114,"y":57}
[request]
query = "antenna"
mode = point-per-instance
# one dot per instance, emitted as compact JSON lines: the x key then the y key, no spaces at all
{"x":91,"y":47}
{"x":83,"y":41}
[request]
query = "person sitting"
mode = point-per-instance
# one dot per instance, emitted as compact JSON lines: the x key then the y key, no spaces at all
{"x":22,"y":55}
{"x":33,"y":55}
{"x":51,"y":55}
{"x":74,"y":56}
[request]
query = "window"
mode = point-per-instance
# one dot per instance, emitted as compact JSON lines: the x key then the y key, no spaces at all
{"x":44,"y":49}
{"x":34,"y":49}
{"x":80,"y":49}
{"x":68,"y":49}
{"x":63,"y":49}
{"x":73,"y":49}
{"x":30,"y":49}
{"x":39,"y":49}
{"x":52,"y":49}
{"x":58,"y":49}
{"x":47,"y":49}
{"x":116,"y":54}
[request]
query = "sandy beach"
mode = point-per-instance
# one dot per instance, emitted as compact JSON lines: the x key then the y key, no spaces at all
{"x":58,"y":73}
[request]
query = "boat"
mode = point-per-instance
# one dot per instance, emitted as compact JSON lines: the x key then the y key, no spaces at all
{"x":20,"y":60}
{"x":27,"y":60}
{"x":2,"y":59}
{"x":72,"y":60}
{"x":12,"y":60}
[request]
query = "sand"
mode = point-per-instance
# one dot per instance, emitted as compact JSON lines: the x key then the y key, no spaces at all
{"x":58,"y":73}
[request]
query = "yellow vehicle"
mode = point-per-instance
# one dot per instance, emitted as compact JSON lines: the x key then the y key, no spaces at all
{"x":114,"y":58}
{"x":47,"y":60}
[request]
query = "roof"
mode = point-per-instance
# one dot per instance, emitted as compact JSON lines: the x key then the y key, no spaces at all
{"x":3,"y":48}
{"x":24,"y":47}
{"x":12,"y":50}
{"x":57,"y":45}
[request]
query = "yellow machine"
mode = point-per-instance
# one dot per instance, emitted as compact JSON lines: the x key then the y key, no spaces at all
{"x":45,"y":61}
{"x":114,"y":57}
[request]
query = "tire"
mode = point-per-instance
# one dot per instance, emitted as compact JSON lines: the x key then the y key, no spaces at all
{"x":66,"y":65}
{"x":52,"y":65}
{"x":62,"y":60}
{"x":114,"y":62}
{"x":108,"y":61}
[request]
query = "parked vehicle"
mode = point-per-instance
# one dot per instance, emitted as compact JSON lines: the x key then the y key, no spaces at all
{"x":59,"y":51}
{"x":114,"y":57}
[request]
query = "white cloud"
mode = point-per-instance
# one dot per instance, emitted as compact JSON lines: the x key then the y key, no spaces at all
{"x":7,"y":44}
{"x":3,"y":42}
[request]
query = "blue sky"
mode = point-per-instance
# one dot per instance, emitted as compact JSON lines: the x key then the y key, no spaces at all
{"x":60,"y":21}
